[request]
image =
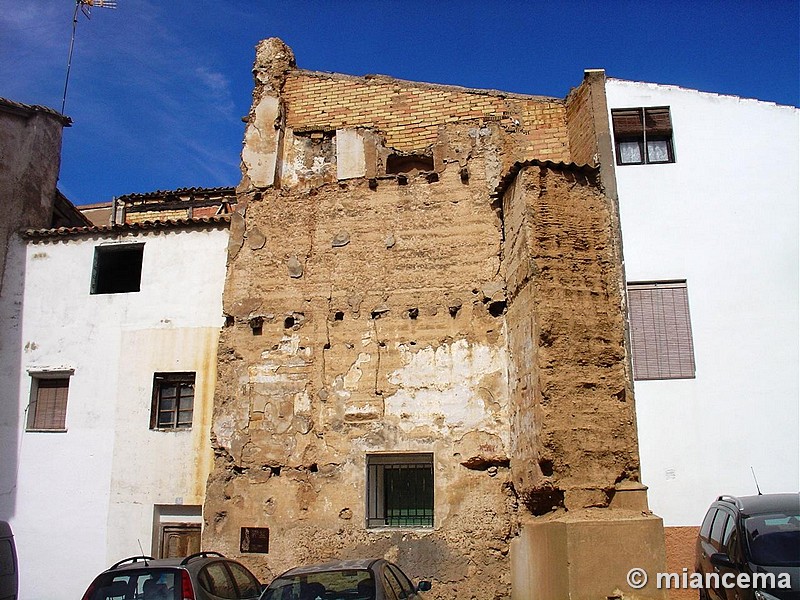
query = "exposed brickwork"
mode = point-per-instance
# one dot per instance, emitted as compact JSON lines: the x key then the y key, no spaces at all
{"x":409,"y":114}
{"x":580,"y":122}
{"x":156,"y":215}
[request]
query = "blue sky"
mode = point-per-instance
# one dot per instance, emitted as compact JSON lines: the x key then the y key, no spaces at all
{"x":158,"y":89}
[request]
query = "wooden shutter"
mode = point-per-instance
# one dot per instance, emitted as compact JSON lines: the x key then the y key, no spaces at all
{"x":661,"y":330}
{"x":179,"y":540}
{"x":657,"y":121}
{"x":49,"y":409}
{"x":627,"y":122}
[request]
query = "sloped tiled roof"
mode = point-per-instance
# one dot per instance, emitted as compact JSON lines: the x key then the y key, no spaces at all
{"x":506,"y":180}
{"x":27,"y":109}
{"x":69,"y":232}
{"x":192,"y":191}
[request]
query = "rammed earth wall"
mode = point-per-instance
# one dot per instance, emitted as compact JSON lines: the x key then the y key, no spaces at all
{"x":390,"y":289}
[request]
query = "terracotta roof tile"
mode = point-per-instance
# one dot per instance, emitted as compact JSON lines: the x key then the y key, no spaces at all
{"x":31,"y":234}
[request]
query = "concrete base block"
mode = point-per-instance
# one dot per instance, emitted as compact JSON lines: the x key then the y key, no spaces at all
{"x":587,"y":556}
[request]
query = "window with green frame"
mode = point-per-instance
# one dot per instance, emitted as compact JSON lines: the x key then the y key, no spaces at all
{"x":400,"y":490}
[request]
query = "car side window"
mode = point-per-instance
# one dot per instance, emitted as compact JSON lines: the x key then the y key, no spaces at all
{"x":732,"y":547}
{"x":726,"y":534}
{"x":215,"y":579}
{"x":245,"y":582}
{"x":705,"y":530}
{"x":406,"y":586}
{"x":393,"y":589}
{"x":718,"y":528}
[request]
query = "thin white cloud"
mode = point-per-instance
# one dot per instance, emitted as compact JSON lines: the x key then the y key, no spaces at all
{"x":219,"y":90}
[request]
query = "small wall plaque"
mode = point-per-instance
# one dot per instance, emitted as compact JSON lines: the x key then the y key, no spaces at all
{"x":254,"y":540}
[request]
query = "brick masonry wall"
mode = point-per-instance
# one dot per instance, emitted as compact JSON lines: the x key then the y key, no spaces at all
{"x":156,"y":215}
{"x":409,"y":114}
{"x":580,"y":125}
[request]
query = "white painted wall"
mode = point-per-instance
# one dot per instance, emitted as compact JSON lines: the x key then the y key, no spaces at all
{"x":85,"y":498}
{"x":724,"y":217}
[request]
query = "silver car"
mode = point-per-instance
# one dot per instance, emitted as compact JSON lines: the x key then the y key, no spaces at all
{"x":355,"y":579}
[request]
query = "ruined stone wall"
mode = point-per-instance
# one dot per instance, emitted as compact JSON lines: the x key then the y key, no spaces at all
{"x":367,"y":299}
{"x":362,"y":321}
{"x":570,"y":394}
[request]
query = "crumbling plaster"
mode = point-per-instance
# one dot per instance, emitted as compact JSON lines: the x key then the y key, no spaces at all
{"x":404,"y":306}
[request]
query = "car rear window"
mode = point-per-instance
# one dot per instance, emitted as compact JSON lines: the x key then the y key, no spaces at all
{"x":354,"y":584}
{"x":140,"y":584}
{"x":774,"y":539}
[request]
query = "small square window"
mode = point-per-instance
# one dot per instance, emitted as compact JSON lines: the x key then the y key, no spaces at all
{"x":47,"y":410}
{"x":400,"y":490}
{"x":173,"y":401}
{"x":117,"y":269}
{"x":643,"y":135}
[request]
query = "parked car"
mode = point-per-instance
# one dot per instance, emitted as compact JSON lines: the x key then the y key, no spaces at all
{"x":8,"y":564}
{"x":201,"y":576}
{"x":751,"y":535}
{"x":358,"y":579}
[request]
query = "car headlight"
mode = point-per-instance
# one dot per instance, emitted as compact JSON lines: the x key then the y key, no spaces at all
{"x":759,"y":595}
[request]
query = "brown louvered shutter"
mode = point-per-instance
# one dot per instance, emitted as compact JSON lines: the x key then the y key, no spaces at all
{"x":661,"y":331}
{"x":627,"y":122}
{"x":657,"y":121}
{"x":50,"y":408}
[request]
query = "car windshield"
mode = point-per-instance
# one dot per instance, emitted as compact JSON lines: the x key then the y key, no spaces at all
{"x":774,"y":539}
{"x":144,"y":584}
{"x":354,"y":584}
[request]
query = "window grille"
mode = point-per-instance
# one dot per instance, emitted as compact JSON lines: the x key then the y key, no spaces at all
{"x":400,"y":490}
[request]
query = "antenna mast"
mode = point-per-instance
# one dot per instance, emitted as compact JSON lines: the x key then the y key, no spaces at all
{"x":756,"y":480}
{"x":86,"y":8}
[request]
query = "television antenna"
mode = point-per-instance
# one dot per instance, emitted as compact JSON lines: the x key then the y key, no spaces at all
{"x":85,"y":7}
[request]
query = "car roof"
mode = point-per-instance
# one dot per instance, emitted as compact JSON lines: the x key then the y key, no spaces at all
{"x":352,"y":564}
{"x":765,"y":503}
{"x":147,"y":562}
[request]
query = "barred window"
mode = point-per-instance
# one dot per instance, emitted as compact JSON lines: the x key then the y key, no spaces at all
{"x":643,"y":135}
{"x":661,"y":330}
{"x":400,"y":490}
{"x":173,"y":401}
{"x":47,"y":410}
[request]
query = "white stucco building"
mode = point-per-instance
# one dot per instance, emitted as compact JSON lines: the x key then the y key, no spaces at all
{"x":708,"y":196}
{"x":118,"y":328}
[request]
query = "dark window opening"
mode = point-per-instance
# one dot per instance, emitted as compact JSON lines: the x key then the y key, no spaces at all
{"x":643,"y":135}
{"x":47,"y":410}
{"x":117,"y":269}
{"x":173,"y":401}
{"x":410,"y":164}
{"x":400,"y":490}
